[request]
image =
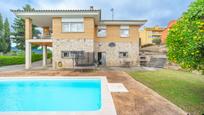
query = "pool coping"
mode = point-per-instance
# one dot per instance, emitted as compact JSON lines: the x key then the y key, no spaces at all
{"x":107,"y":105}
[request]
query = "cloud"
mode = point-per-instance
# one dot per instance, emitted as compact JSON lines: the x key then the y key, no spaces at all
{"x":158,"y":12}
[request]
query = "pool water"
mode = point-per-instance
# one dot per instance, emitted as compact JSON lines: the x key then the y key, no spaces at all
{"x":50,"y":95}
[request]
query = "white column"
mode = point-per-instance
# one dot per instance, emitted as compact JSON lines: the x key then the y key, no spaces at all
{"x":28,"y":55}
{"x":44,"y":55}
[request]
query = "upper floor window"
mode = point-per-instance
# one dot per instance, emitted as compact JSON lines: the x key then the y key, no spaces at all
{"x":72,"y":25}
{"x":124,"y":31}
{"x":101,"y":31}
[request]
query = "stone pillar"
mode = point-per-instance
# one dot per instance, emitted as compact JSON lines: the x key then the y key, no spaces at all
{"x":28,"y":55}
{"x":44,"y":55}
{"x":28,"y":28}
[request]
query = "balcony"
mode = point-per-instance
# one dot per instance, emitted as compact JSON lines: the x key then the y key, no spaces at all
{"x":156,"y":33}
{"x":43,"y":37}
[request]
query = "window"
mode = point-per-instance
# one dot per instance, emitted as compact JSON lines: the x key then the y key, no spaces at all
{"x":72,"y":54}
{"x":124,"y":31}
{"x":72,"y":25}
{"x":123,"y":54}
{"x":101,"y":31}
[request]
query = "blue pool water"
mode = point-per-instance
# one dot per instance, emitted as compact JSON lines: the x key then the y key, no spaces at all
{"x":50,"y":95}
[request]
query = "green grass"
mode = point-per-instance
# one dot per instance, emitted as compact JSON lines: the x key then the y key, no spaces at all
{"x":20,"y":59}
{"x":182,"y":88}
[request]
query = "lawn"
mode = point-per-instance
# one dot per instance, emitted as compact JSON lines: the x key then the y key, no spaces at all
{"x":184,"y":89}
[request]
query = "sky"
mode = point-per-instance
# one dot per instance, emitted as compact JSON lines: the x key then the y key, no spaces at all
{"x":157,"y":12}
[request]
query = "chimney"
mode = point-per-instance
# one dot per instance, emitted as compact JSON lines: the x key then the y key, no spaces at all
{"x":91,"y":8}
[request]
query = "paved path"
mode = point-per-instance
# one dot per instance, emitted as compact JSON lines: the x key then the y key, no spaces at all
{"x":140,"y":100}
{"x":35,"y":66}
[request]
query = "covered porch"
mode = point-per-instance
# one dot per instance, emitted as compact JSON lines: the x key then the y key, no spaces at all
{"x":44,"y":43}
{"x":44,"y":40}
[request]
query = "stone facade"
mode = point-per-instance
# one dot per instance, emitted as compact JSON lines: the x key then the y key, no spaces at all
{"x":60,"y":45}
{"x":112,"y":53}
{"x":89,"y":46}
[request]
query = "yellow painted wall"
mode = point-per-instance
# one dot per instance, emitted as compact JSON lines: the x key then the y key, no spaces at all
{"x":28,"y":28}
{"x":144,"y":35}
{"x":89,"y":29}
{"x":113,"y":34}
{"x":90,"y":32}
{"x":153,"y":31}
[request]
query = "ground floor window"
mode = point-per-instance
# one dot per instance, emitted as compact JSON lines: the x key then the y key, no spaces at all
{"x":72,"y":54}
{"x":123,"y":54}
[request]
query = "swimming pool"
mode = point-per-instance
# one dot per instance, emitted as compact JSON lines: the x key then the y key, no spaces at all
{"x":50,"y":95}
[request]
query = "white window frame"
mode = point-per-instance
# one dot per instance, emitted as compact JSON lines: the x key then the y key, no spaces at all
{"x":124,"y":28}
{"x":101,"y":28}
{"x":69,"y":22}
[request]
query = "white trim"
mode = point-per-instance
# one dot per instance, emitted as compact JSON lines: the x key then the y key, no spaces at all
{"x":72,"y":19}
{"x":57,"y":13}
{"x":39,"y":40}
{"x":124,"y":27}
{"x":122,"y":23}
{"x":101,"y":27}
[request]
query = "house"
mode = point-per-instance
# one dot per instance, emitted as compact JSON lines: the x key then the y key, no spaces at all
{"x":81,"y":38}
{"x":148,"y":34}
{"x":165,"y":32}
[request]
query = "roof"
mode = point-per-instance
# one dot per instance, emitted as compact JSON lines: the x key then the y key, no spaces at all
{"x":123,"y":22}
{"x":156,"y":28}
{"x":45,"y":14}
{"x":24,"y":13}
{"x":44,"y":17}
{"x":18,"y":10}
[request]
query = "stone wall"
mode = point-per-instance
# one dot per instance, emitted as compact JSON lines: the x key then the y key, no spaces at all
{"x":60,"y":45}
{"x":89,"y":47}
{"x":112,"y":53}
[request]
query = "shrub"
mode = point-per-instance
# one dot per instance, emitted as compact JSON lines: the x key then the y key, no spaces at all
{"x":20,"y":59}
{"x":157,"y":41}
{"x":185,"y":41}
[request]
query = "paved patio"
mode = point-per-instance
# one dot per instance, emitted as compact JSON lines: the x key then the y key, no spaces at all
{"x":140,"y":100}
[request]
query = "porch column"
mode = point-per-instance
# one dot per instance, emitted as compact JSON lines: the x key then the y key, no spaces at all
{"x":28,"y":57}
{"x":28,"y":28}
{"x":44,"y":55}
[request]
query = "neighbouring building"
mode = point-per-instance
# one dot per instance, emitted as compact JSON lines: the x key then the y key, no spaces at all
{"x":165,"y":32}
{"x":81,"y":38}
{"x":148,"y":34}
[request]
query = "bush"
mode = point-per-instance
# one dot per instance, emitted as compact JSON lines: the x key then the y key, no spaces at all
{"x":157,"y":41}
{"x":185,"y":41}
{"x":20,"y":59}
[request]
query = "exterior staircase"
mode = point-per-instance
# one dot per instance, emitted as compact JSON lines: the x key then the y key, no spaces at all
{"x":153,"y":57}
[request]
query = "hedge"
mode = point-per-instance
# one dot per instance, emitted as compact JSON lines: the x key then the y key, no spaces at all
{"x":14,"y":60}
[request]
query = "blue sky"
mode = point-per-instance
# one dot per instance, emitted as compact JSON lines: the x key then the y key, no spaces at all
{"x":157,"y":12}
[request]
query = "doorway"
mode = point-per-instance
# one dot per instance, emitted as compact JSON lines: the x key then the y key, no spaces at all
{"x":101,"y":58}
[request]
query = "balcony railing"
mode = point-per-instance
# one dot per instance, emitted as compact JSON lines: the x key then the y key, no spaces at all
{"x":43,"y":37}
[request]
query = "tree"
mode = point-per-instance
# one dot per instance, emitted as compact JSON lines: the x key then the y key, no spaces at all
{"x":1,"y":25}
{"x":19,"y":29}
{"x":185,"y":41}
{"x":7,"y":35}
{"x":3,"y":44}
